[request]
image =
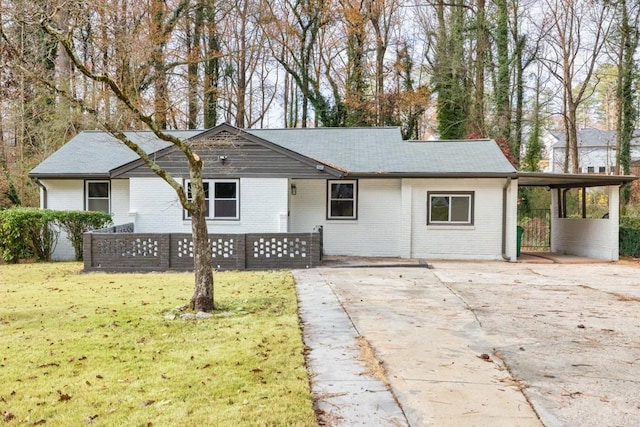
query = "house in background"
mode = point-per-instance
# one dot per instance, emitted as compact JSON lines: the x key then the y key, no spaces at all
{"x":596,"y":151}
{"x":373,"y":193}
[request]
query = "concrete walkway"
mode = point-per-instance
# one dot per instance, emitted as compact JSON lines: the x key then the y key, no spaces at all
{"x":345,"y":392}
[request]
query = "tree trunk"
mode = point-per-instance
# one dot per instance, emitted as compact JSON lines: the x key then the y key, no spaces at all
{"x":619,"y":102}
{"x":211,"y":72}
{"x":160,"y":89}
{"x":502,"y":99}
{"x":519,"y":112}
{"x":572,"y":137}
{"x":380,"y":13}
{"x":241,"y":84}
{"x":211,"y":75}
{"x":450,"y":73}
{"x":64,"y":71}
{"x":192,"y":38}
{"x":482,"y":42}
{"x":285,"y":101}
{"x":355,"y":85}
{"x":202,"y":299}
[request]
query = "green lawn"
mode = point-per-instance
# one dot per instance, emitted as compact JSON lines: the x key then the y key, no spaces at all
{"x":78,"y":349}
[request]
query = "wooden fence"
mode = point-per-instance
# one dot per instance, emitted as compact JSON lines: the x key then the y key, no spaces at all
{"x":119,"y":249}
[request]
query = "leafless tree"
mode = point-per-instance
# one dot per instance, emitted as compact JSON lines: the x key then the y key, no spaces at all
{"x":574,"y":33}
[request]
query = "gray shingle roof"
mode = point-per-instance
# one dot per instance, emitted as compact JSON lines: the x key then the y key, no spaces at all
{"x":589,"y":137}
{"x":92,"y":154}
{"x":355,"y":151}
{"x":382,"y":150}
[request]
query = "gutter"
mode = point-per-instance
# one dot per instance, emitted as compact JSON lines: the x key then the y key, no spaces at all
{"x":507,"y":184}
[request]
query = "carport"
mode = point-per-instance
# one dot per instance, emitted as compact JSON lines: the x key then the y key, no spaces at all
{"x":580,"y":235}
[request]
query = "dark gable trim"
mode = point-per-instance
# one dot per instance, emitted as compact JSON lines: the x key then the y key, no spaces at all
{"x":225,"y":127}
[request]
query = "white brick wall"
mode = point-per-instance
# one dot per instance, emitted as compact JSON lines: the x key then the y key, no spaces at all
{"x":120,"y":201}
{"x":391,"y":214}
{"x":68,"y":194}
{"x":392,"y":218}
{"x":156,"y":206}
{"x":482,"y":240}
{"x":263,"y":207}
{"x":587,"y":237}
{"x":376,"y":232}
{"x":64,"y":194}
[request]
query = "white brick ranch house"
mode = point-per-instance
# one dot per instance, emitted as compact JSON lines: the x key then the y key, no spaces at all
{"x":374,"y":194}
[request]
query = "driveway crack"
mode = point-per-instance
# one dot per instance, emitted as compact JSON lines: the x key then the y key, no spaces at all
{"x":466,"y":304}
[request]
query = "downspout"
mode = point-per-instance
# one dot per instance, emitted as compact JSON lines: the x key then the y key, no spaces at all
{"x":44,"y":193}
{"x":506,"y":186}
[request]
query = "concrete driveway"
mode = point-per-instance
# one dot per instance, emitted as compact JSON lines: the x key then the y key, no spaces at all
{"x":501,"y":344}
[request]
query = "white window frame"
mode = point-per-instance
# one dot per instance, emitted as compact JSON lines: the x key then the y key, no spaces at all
{"x":87,"y":198}
{"x":212,"y":199}
{"x":470,"y":195}
{"x":354,"y":199}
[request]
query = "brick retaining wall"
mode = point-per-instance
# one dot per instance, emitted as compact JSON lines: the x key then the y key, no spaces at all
{"x":107,"y":250}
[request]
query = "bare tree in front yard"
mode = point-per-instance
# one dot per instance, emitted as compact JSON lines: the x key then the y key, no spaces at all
{"x":152,"y":63}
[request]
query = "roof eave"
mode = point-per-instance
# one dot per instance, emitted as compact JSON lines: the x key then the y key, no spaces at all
{"x":561,"y":180}
{"x":512,"y":174}
{"x":70,"y":175}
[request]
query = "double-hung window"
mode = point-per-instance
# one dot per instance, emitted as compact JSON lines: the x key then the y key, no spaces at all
{"x":455,"y":208}
{"x":97,"y":196}
{"x":342,"y":199}
{"x":221,"y":198}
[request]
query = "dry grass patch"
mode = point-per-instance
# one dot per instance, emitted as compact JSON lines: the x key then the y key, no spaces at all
{"x":373,"y":366}
{"x":96,"y":348}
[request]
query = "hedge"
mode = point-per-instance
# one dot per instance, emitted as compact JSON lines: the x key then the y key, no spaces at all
{"x":630,"y":222}
{"x":26,"y":233}
{"x":630,"y":241}
{"x":76,"y":223}
{"x":33,"y":233}
{"x":629,"y":236}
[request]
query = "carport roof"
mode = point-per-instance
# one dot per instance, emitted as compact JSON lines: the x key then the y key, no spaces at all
{"x":562,"y":180}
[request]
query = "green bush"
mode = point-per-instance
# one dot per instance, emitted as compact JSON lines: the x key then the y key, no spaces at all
{"x":630,"y":221}
{"x":630,"y":241}
{"x":27,"y":232}
{"x":12,"y":243}
{"x":33,"y":233}
{"x":76,"y":223}
{"x":629,"y":236}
